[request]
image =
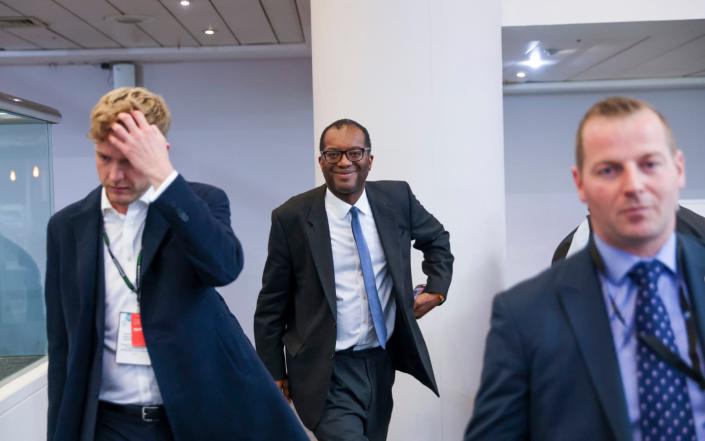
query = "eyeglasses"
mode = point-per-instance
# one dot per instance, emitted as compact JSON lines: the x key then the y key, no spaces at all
{"x":354,"y":154}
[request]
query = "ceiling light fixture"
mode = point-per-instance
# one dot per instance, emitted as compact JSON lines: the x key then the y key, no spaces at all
{"x":17,"y":100}
{"x":13,"y":176}
{"x":209,"y":31}
{"x":184,"y":2}
{"x":35,"y":171}
{"x":521,"y":74}
{"x":535,"y":61}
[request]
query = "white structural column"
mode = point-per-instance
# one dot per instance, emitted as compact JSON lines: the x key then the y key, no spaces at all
{"x":424,"y":76}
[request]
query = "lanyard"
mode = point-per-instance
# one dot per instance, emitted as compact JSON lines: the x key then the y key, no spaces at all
{"x":136,"y":287}
{"x":694,"y":370}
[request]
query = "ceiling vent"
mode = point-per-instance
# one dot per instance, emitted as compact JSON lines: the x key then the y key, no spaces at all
{"x":20,"y":22}
{"x":128,"y":19}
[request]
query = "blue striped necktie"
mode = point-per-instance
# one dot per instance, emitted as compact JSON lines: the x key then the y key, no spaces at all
{"x":368,"y":275}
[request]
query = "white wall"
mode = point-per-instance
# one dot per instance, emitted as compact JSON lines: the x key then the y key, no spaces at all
{"x":539,"y":136}
{"x":545,"y":12}
{"x":23,"y":405}
{"x":435,"y":120}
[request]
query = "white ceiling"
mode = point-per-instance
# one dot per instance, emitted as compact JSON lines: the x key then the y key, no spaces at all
{"x":84,"y":24}
{"x":636,"y":50}
{"x":82,"y":31}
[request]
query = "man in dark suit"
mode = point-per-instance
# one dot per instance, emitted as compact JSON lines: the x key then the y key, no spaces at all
{"x":607,"y":344}
{"x":337,"y":296}
{"x":141,"y":346}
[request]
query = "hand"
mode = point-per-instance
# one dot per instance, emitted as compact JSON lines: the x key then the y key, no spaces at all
{"x":143,"y":144}
{"x":425,"y":302}
{"x":283,"y":385}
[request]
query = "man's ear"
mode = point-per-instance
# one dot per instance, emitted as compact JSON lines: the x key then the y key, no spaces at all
{"x":578,"y":180}
{"x":679,"y":160}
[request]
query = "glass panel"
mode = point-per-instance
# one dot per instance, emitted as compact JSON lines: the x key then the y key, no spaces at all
{"x":25,"y":207}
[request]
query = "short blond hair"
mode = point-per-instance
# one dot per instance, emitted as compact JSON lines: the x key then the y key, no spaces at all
{"x":126,"y":99}
{"x":618,"y":107}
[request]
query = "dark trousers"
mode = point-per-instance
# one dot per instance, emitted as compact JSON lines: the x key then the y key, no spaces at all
{"x":359,"y":402}
{"x":114,"y":426}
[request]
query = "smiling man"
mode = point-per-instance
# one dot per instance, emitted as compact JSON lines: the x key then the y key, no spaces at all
{"x":607,"y":344}
{"x":337,"y":312}
{"x":141,"y":346}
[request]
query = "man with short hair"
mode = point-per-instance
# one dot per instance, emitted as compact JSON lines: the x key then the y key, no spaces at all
{"x":141,"y":346}
{"x":608,"y":343}
{"x":337,"y":296}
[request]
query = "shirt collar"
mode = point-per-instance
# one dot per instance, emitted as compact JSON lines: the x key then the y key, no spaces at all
{"x":618,"y":262}
{"x":338,"y":208}
{"x":138,"y":205}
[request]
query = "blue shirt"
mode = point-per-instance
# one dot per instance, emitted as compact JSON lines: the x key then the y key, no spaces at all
{"x":617,"y":285}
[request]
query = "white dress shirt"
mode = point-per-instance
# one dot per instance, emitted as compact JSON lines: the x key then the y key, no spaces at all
{"x":125,"y":383}
{"x":354,"y":321}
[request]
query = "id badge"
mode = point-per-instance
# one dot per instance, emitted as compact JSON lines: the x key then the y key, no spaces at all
{"x":131,"y":348}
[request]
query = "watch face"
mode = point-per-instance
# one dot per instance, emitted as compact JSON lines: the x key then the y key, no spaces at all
{"x":418,"y":289}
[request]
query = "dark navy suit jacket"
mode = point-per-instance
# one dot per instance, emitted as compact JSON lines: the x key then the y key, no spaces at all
{"x":296,"y":308}
{"x":213,"y":385}
{"x":551,"y":369}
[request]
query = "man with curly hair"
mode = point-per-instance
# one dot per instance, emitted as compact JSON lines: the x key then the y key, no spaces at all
{"x":141,"y":346}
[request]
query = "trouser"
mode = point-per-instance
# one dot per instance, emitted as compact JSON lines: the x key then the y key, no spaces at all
{"x":359,"y":401}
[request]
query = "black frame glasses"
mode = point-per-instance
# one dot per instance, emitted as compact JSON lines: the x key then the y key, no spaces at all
{"x":354,"y":154}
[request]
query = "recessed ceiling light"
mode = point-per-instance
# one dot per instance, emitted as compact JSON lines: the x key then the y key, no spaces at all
{"x":209,"y":31}
{"x":13,"y":176}
{"x":35,"y":171}
{"x":17,"y":100}
{"x":184,"y":2}
{"x":521,"y":74}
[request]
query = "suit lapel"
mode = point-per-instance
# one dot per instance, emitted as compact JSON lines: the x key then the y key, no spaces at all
{"x":388,"y":230}
{"x":693,"y":260}
{"x":155,"y":229}
{"x":319,"y":243}
{"x":582,"y":301}
{"x":86,"y":228}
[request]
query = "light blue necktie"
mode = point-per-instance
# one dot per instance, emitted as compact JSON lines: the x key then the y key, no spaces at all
{"x":664,"y":403}
{"x":368,"y":275}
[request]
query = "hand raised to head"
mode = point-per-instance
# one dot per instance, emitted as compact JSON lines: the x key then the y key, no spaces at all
{"x":143,"y":144}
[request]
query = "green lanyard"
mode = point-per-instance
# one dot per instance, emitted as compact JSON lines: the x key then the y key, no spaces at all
{"x":136,"y":287}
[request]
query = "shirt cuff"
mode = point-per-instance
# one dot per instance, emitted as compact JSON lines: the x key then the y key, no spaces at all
{"x":164,"y":186}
